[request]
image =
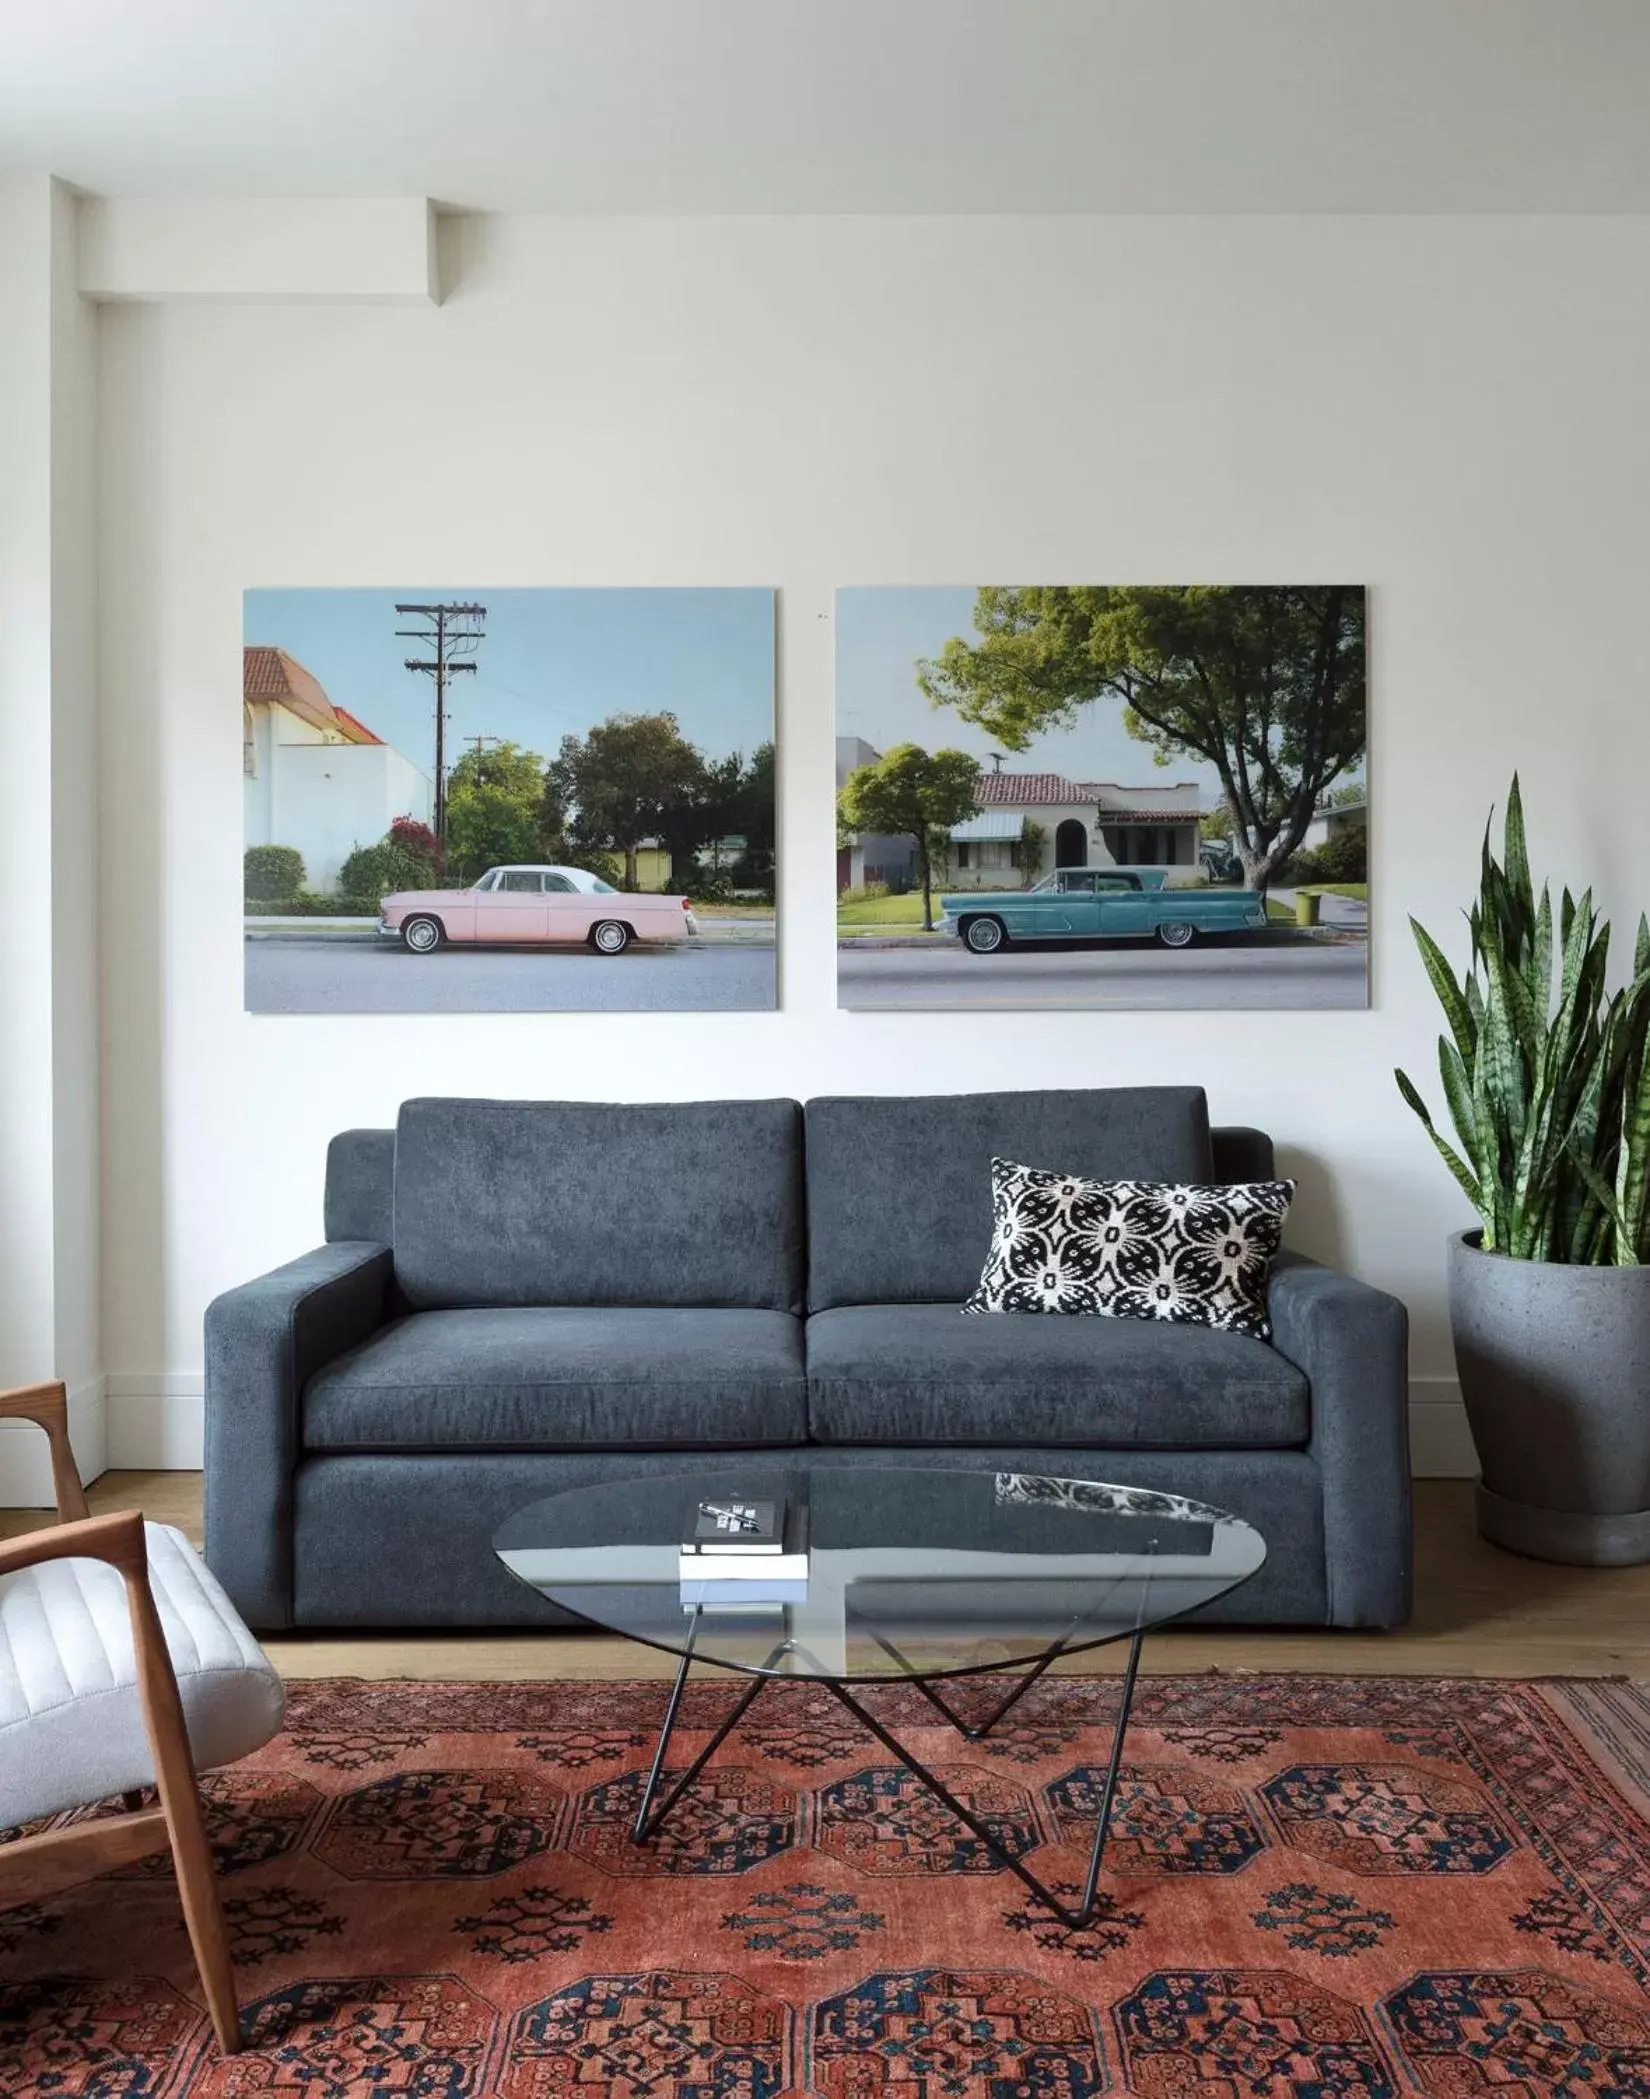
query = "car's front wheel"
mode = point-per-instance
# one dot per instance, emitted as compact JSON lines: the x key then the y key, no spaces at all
{"x":610,"y":937}
{"x":984,"y":936}
{"x":1176,"y":934}
{"x":422,"y":936}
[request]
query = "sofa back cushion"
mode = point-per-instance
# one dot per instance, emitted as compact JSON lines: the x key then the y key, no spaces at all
{"x":899,"y":1188}
{"x":585,"y":1203}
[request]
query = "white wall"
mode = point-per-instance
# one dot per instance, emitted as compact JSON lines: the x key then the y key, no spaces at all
{"x":325,"y":799}
{"x":1455,"y":412}
{"x":49,"y":1064}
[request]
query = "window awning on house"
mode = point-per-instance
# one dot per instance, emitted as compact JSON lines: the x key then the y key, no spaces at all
{"x":992,"y":825}
{"x":996,"y":823}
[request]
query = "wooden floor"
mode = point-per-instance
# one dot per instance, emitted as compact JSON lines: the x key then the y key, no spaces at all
{"x":1478,"y":1612}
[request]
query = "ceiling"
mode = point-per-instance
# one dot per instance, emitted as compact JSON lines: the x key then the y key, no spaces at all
{"x":688,"y":106}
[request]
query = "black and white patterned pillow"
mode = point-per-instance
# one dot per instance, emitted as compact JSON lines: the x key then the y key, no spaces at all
{"x":1132,"y":1249}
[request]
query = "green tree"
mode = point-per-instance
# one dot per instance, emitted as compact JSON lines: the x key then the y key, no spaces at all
{"x":632,"y":777}
{"x":911,"y":793}
{"x":757,"y":813}
{"x":496,"y":810}
{"x":1264,"y":683}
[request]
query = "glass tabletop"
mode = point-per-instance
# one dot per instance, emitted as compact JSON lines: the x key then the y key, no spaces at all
{"x":887,"y":1570}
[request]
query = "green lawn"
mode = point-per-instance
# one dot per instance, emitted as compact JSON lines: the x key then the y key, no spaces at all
{"x":885,"y":911}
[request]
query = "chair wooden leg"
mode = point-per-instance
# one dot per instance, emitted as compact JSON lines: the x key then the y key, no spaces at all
{"x":185,"y":1818}
{"x":202,"y":1907}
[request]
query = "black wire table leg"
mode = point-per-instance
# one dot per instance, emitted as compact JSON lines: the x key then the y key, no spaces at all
{"x":672,"y":1708}
{"x":1072,"y":1919}
{"x":647,"y":1824}
{"x":976,"y":1731}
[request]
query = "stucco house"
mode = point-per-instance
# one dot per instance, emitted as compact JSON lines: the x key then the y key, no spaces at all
{"x":1330,"y":818}
{"x":315,"y":777}
{"x":1027,"y":824}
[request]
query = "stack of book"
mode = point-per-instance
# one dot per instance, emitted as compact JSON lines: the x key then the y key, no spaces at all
{"x":745,"y":1552}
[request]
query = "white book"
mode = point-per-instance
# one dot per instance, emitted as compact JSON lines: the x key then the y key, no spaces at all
{"x":742,"y":1596}
{"x":734,"y":1570}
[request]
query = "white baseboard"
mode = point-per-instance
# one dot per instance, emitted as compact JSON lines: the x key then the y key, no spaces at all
{"x":155,"y":1423}
{"x":25,"y":1461}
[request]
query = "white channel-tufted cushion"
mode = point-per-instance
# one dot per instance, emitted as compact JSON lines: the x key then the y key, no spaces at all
{"x":71,"y":1720}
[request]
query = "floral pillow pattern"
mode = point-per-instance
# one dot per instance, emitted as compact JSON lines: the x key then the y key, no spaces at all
{"x":1132,"y":1249}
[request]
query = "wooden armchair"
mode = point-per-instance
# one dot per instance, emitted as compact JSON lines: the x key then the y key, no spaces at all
{"x":131,"y":1671}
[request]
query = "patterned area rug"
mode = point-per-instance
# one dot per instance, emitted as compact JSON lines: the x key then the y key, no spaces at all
{"x":1316,"y":1886}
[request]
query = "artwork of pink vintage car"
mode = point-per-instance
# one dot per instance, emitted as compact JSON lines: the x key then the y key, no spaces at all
{"x":531,"y":907}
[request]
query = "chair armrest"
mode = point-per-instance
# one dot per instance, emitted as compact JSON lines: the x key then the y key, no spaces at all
{"x":48,"y":1407}
{"x":119,"y":1539}
{"x":1352,"y":1341}
{"x":264,"y":1342}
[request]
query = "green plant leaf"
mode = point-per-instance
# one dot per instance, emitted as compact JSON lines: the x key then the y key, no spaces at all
{"x":1606,"y":1196}
{"x":1458,"y":1093}
{"x":1446,"y":1151}
{"x":1633,"y":1162}
{"x":1449,"y":994}
{"x":1516,"y":855}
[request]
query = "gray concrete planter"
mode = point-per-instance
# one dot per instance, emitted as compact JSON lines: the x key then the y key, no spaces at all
{"x":1554,"y":1364}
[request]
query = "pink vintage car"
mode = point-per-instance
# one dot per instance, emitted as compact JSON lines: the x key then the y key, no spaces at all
{"x":530,"y":906}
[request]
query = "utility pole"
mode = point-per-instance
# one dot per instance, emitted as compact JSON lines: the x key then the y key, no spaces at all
{"x":450,"y":633}
{"x":480,"y":743}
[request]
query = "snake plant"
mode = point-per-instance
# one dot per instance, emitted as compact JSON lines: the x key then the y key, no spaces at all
{"x":1547,"y":1085}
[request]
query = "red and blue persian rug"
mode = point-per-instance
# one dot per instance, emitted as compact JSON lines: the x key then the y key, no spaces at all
{"x":1315,"y":1886}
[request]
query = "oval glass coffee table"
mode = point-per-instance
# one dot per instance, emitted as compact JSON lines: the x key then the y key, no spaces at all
{"x":917,"y":1575}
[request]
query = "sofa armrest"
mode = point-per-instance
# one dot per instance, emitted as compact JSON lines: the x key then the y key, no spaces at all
{"x":264,"y":1342}
{"x":1353,"y":1343}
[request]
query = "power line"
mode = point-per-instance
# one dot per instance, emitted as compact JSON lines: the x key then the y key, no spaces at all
{"x":451,"y":632}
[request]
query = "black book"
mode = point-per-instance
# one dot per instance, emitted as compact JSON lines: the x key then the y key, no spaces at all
{"x":732,"y":1524}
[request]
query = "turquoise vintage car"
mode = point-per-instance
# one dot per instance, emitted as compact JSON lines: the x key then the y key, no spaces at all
{"x":1092,"y":903}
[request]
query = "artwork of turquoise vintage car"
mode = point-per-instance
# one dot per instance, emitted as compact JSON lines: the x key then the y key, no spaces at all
{"x":1091,"y":903}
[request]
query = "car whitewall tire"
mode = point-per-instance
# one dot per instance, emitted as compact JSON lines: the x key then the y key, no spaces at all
{"x":610,"y":937}
{"x":1179,"y":934}
{"x":421,"y":936}
{"x":984,"y":936}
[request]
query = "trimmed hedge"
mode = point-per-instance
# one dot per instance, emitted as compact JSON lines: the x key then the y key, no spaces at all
{"x":309,"y":906}
{"x":272,"y":874}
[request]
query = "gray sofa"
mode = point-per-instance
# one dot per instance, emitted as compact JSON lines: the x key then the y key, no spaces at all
{"x":517,"y":1296}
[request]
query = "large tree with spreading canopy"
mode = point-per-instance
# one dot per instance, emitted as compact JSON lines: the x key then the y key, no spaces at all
{"x":1263,"y":682}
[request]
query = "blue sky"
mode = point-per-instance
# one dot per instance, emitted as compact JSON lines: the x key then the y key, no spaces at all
{"x":881,"y":632}
{"x":552,"y":662}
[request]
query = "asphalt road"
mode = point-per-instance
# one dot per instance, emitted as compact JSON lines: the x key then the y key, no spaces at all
{"x":1312,"y":975}
{"x":358,"y":976}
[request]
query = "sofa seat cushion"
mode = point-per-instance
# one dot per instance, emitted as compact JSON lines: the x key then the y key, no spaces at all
{"x":915,"y":1374}
{"x":565,"y":1378}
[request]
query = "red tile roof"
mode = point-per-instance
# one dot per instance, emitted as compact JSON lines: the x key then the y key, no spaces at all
{"x":357,"y":731}
{"x":1021,"y":790}
{"x":272,"y":675}
{"x":1000,"y":790}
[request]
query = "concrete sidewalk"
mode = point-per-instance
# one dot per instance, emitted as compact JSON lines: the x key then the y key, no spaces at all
{"x":1338,"y":914}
